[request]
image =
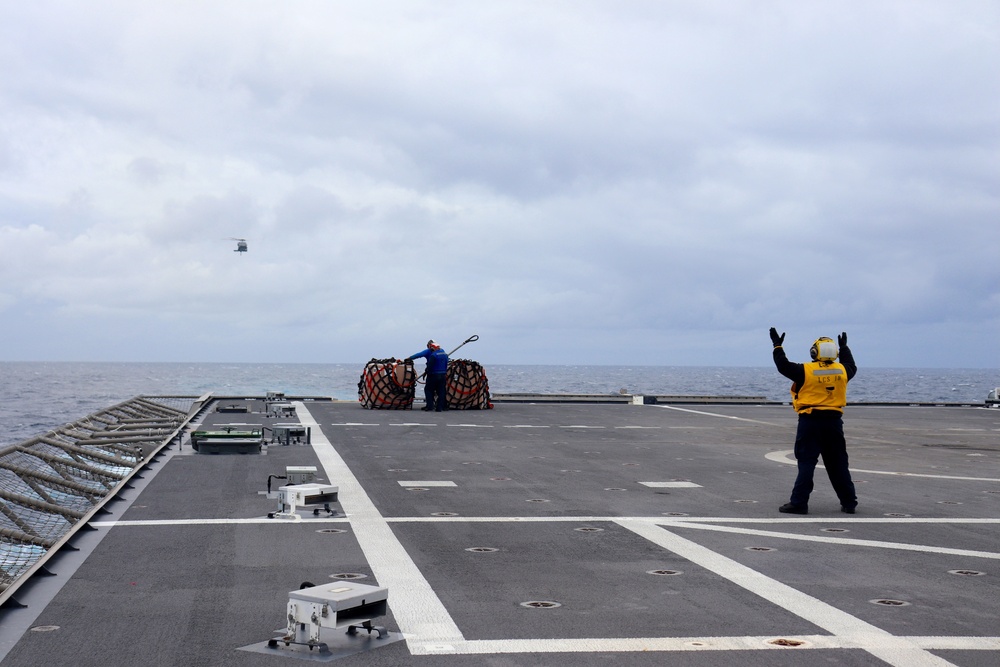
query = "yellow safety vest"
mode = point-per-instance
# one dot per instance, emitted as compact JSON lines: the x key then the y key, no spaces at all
{"x":825,"y":388}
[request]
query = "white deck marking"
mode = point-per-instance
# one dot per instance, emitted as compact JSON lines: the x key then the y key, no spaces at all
{"x":686,"y":644}
{"x":473,"y":425}
{"x":213,"y":522}
{"x":894,"y":650}
{"x":413,"y":424}
{"x":643,"y":427}
{"x":416,"y":607}
{"x":355,"y":424}
{"x":788,"y":456}
{"x":558,"y":519}
{"x":848,"y":541}
{"x":524,"y":426}
{"x":671,"y":485}
{"x":687,"y":519}
{"x":579,"y":426}
{"x":715,"y":414}
{"x":419,"y":483}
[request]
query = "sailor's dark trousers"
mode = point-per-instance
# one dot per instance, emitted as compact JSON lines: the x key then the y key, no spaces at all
{"x":821,"y":434}
{"x":435,"y":385}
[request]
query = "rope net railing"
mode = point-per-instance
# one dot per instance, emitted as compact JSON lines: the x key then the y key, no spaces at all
{"x":50,"y":482}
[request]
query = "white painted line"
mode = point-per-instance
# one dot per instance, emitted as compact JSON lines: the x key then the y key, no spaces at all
{"x":957,"y":643}
{"x":671,"y":485}
{"x":413,"y":424}
{"x":523,"y":426}
{"x":473,"y":425}
{"x":897,"y":651}
{"x":916,"y":474}
{"x":715,"y":414}
{"x":418,"y":611}
{"x":355,"y":424}
{"x":845,"y":541}
{"x":580,"y":426}
{"x":691,"y":644}
{"x":788,"y":456}
{"x":640,"y":427}
{"x":216,"y":522}
{"x":558,"y":519}
{"x":656,"y":520}
{"x":783,"y":457}
{"x":427,"y":484}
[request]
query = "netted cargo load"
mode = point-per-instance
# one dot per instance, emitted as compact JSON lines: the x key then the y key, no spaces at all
{"x":467,"y":387}
{"x":387,"y":384}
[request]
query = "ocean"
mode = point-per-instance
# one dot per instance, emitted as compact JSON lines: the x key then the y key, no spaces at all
{"x":36,"y":397}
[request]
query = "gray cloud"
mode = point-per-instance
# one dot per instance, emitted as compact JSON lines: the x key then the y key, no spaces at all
{"x":646,"y":182}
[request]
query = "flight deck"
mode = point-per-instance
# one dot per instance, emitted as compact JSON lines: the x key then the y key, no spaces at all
{"x":536,"y":533}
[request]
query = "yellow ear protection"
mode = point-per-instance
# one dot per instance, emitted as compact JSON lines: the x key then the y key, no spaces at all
{"x":824,"y":349}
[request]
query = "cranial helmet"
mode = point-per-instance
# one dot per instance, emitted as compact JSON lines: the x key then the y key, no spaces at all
{"x":824,"y":349}
{"x":432,"y":343}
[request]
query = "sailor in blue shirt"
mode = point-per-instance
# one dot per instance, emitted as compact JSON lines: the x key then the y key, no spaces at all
{"x":437,"y":369}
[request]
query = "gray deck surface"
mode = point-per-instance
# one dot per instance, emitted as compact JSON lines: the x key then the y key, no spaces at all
{"x":655,"y":529}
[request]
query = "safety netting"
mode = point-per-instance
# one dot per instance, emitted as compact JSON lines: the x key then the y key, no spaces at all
{"x":467,"y":387}
{"x":48,"y":484}
{"x":387,"y":384}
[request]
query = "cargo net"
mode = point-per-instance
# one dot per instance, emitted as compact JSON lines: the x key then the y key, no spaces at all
{"x":467,"y":387}
{"x":49,"y":483}
{"x":387,"y":384}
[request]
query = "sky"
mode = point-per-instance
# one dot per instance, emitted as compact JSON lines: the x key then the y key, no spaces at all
{"x":576,"y":182}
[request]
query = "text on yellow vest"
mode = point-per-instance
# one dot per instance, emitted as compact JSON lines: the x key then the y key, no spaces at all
{"x":824,"y":388}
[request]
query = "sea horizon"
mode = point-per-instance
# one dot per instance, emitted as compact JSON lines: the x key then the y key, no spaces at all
{"x":36,"y":397}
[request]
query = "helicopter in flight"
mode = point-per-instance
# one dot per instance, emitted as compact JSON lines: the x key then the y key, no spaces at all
{"x":241,"y":244}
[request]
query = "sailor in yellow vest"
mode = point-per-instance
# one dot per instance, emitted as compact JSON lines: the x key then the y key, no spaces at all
{"x":819,"y":394}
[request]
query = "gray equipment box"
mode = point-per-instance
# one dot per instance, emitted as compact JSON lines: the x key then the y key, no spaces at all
{"x":286,"y":434}
{"x":336,"y":605}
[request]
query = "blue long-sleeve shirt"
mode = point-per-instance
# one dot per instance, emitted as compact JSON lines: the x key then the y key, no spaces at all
{"x":437,"y":360}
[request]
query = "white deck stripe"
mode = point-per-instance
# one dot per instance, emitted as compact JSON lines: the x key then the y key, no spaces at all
{"x":788,"y":456}
{"x":715,"y":414}
{"x":213,"y":522}
{"x":426,"y":483}
{"x":894,"y":650}
{"x":848,"y":541}
{"x":671,"y":485}
{"x":415,"y":606}
{"x":556,"y":519}
{"x":688,"y":644}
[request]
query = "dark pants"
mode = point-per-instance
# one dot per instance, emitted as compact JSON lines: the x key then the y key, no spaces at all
{"x":822,"y":434}
{"x":435,"y":385}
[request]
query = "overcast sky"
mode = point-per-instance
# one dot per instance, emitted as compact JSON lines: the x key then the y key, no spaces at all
{"x":577,"y":182}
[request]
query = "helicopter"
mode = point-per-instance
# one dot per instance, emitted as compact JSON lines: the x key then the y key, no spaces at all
{"x":241,"y":244}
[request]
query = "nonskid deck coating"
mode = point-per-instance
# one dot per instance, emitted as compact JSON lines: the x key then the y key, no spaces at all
{"x":654,"y":528}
